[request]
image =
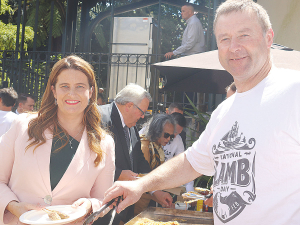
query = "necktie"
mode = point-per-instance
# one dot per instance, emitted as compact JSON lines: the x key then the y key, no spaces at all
{"x":129,"y":146}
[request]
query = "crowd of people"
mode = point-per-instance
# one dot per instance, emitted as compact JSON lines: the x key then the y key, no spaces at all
{"x":72,"y":151}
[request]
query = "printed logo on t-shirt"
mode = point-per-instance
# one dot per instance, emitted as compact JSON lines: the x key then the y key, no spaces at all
{"x":234,"y":183}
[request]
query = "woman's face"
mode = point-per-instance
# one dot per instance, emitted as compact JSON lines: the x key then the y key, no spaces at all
{"x":168,"y":131}
{"x":72,"y":92}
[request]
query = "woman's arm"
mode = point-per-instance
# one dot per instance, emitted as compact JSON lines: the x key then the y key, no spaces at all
{"x":18,"y":208}
{"x":105,"y":178}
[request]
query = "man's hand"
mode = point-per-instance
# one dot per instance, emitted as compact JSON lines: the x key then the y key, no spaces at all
{"x":127,"y":175}
{"x":163,"y":198}
{"x":130,"y":190}
{"x":209,"y":202}
{"x":168,"y":55}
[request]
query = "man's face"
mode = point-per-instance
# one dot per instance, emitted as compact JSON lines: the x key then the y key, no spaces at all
{"x":178,"y":129}
{"x":134,"y":113}
{"x":186,"y":12}
{"x":242,"y":46}
{"x":28,"y":105}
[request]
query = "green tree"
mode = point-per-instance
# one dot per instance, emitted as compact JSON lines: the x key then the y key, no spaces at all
{"x":44,"y":19}
{"x":8,"y":31}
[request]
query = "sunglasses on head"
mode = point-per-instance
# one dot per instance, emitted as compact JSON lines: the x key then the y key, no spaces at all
{"x":167,"y":135}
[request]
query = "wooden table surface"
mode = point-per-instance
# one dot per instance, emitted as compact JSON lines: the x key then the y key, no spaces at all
{"x":183,"y":217}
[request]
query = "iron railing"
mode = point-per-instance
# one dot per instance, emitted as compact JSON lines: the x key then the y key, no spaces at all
{"x":28,"y":72}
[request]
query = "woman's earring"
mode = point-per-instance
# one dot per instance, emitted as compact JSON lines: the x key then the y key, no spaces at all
{"x":88,"y":101}
{"x":55,"y":101}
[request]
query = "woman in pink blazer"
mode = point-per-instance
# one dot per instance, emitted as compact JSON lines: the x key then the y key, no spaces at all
{"x":60,"y":155}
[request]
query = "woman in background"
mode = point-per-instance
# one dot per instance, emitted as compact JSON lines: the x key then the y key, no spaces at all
{"x":60,"y":155}
{"x":158,"y":132}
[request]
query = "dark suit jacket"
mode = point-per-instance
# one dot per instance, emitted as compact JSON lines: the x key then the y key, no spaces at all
{"x":111,"y":120}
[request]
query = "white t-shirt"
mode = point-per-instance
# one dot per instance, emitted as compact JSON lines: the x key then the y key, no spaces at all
{"x":252,"y":147}
{"x":174,"y":148}
{"x":6,"y":118}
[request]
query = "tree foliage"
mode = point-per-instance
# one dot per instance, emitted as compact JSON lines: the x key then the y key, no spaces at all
{"x":8,"y":32}
{"x":44,"y":19}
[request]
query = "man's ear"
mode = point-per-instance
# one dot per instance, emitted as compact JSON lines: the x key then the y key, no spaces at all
{"x":128,"y":106}
{"x":270,"y":37}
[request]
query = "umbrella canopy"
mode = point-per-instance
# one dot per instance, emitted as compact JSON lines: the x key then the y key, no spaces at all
{"x":203,"y":72}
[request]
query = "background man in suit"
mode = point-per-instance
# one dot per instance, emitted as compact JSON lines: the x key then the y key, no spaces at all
{"x":120,"y":117}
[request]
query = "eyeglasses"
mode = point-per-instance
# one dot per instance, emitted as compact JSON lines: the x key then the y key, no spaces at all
{"x":143,"y":113}
{"x":167,"y":135}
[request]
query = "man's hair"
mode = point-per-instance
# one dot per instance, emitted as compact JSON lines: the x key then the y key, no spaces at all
{"x":8,"y":96}
{"x":175,"y":105}
{"x":244,"y":6}
{"x":132,"y":93}
{"x":189,"y":5}
{"x":179,"y":119}
{"x":100,"y":95}
{"x":22,"y":98}
{"x":231,"y":87}
{"x":156,"y":126}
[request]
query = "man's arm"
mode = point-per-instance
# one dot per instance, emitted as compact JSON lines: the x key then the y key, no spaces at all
{"x":172,"y":173}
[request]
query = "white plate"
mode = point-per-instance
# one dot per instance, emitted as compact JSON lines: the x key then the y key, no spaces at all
{"x":41,"y":217}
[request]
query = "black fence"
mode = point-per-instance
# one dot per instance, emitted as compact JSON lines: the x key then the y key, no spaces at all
{"x":28,"y":72}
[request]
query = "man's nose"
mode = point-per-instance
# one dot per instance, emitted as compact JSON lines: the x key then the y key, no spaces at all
{"x":234,"y":45}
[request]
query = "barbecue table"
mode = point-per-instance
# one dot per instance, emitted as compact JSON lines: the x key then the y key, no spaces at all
{"x":183,"y":217}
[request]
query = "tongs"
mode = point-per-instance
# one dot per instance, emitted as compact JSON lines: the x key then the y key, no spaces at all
{"x":195,"y":197}
{"x":90,"y":219}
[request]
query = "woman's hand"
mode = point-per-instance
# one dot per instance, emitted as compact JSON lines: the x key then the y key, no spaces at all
{"x":18,"y":208}
{"x":83,"y":203}
{"x":163,"y":198}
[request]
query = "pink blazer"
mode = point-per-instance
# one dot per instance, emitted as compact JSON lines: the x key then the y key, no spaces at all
{"x":25,"y":177}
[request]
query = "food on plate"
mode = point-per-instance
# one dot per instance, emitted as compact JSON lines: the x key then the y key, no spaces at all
{"x":192,"y":196}
{"x":146,"y":221}
{"x":142,"y":174}
{"x":202,"y":191}
{"x":55,"y":215}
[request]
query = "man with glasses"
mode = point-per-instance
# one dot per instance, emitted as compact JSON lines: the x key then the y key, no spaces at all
{"x":120,"y":117}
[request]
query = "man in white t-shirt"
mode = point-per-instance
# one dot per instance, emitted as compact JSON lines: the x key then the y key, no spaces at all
{"x":8,"y":97}
{"x":252,"y":142}
{"x":175,"y":147}
{"x":25,"y":103}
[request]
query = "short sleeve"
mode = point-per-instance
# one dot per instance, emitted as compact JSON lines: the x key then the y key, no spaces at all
{"x":199,"y":155}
